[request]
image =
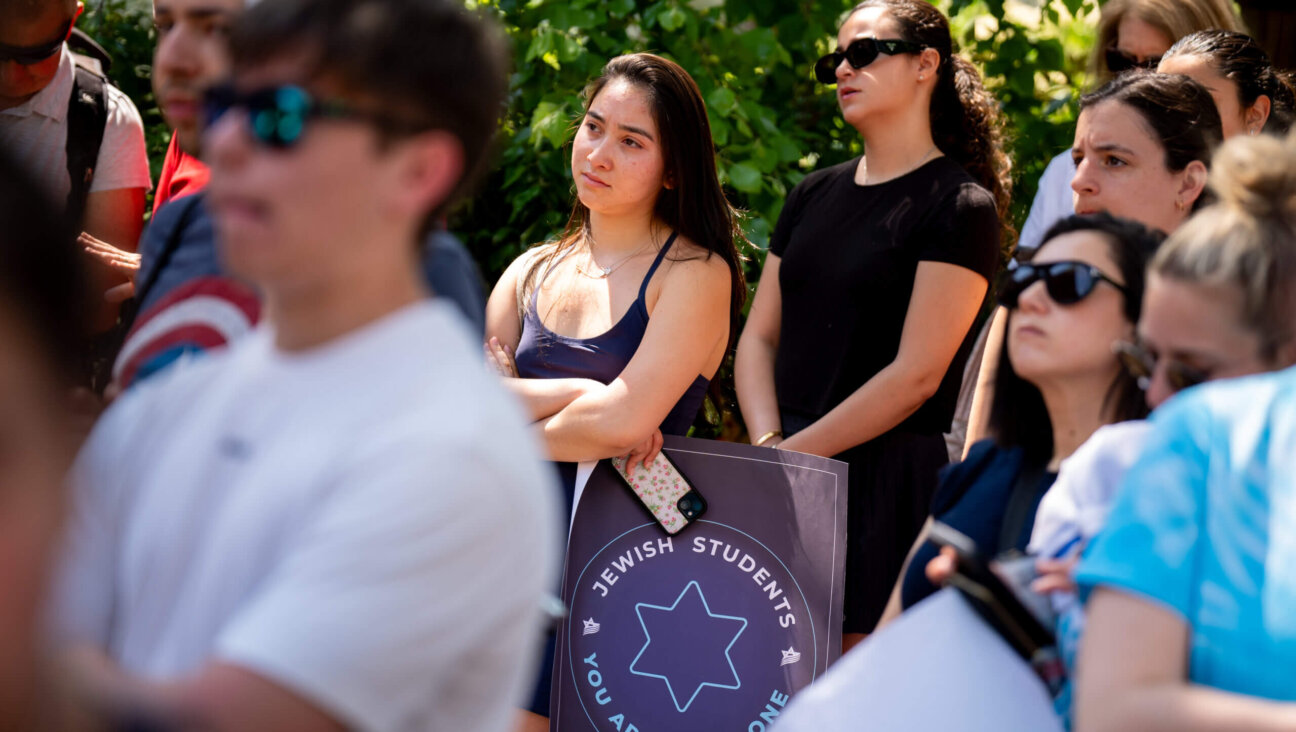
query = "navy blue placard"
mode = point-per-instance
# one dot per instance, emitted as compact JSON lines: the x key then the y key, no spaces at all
{"x":716,"y":627}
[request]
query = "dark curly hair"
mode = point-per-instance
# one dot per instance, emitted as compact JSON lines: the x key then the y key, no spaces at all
{"x":966,"y":123}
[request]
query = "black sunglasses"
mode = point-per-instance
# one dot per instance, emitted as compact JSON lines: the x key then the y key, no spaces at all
{"x":1118,"y":61}
{"x":30,"y":55}
{"x":1067,"y":282}
{"x":860,"y":53}
{"x":277,"y":115}
{"x":1141,"y":363}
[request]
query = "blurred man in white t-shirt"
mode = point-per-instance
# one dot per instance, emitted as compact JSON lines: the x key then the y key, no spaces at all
{"x":342,"y":521}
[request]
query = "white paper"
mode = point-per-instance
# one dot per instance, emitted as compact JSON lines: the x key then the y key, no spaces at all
{"x":938,"y":667}
{"x":583,"y":471}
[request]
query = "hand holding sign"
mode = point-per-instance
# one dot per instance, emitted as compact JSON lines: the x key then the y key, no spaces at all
{"x":718,"y":626}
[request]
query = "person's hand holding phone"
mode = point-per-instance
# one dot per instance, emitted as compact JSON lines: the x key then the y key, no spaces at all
{"x":646,"y":451}
{"x":1056,"y":575}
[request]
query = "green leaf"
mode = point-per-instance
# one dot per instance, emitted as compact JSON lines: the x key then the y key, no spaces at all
{"x":549,"y":123}
{"x":569,"y":49}
{"x":788,"y":152}
{"x":745,"y":177}
{"x":765,"y":159}
{"x":672,"y":19}
{"x":721,"y":100}
{"x":719,"y":131}
{"x":619,"y":8}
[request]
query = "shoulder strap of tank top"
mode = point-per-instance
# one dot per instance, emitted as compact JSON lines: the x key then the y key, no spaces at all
{"x":643,"y":288}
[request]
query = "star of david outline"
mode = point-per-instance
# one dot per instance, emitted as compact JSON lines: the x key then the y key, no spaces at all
{"x":639,"y":607}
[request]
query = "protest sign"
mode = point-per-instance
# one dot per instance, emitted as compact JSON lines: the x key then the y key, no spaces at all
{"x":714,"y":628}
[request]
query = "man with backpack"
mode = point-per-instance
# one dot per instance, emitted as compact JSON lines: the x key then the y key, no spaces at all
{"x":78,"y":134}
{"x":185,"y":298}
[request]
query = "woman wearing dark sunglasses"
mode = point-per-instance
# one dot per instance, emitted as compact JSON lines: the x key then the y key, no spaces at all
{"x":860,"y":328}
{"x":1058,"y":382}
{"x":1219,"y":304}
{"x":1131,"y":34}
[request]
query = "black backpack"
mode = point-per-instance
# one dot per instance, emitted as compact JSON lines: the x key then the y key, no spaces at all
{"x":87,"y":117}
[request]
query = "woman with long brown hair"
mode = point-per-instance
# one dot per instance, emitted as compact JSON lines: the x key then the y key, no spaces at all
{"x":611,"y":334}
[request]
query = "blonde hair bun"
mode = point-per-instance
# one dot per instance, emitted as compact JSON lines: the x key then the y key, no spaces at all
{"x":1257,"y":176}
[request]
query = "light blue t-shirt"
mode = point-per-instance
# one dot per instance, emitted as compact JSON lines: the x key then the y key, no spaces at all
{"x":1205,"y":523}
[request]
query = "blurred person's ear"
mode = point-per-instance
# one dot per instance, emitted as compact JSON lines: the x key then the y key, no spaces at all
{"x":430,"y":165}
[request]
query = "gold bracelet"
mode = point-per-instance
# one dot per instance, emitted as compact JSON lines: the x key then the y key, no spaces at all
{"x":767,"y":437}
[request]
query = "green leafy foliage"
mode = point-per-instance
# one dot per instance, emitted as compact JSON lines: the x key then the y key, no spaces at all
{"x":1033,"y":59}
{"x":752,"y":59}
{"x":771,"y":122}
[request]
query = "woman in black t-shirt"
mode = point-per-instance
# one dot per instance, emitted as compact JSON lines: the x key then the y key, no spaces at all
{"x":877,"y":270}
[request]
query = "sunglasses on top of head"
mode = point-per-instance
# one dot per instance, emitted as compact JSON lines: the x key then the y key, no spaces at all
{"x":1141,"y":363}
{"x":32,"y":55}
{"x":860,"y":53}
{"x":277,"y":116}
{"x":1067,"y":283}
{"x":1118,"y":61}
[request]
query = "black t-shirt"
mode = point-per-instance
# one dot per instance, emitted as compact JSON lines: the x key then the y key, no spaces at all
{"x":849,"y":256}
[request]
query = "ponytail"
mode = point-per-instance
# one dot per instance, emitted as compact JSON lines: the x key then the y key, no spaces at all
{"x":1238,"y":58}
{"x":967,"y":126}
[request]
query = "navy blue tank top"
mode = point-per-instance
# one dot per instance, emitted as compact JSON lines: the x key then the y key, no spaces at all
{"x":543,"y":354}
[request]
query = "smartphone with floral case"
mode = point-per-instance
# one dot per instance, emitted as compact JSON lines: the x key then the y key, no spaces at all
{"x":664,"y":491}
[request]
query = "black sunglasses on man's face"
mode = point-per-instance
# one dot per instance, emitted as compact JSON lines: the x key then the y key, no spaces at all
{"x":860,"y":53}
{"x":31,"y":55}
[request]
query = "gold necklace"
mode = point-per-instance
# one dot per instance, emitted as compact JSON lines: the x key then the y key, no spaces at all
{"x":605,"y":272}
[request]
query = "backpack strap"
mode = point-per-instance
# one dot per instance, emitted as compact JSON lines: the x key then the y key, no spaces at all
{"x":86,"y":119}
{"x":1019,"y":511}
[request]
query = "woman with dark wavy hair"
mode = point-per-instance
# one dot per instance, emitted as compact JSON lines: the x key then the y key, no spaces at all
{"x":611,"y":334}
{"x":878,"y":267}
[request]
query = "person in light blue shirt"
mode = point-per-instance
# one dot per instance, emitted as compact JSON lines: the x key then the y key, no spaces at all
{"x":1191,"y":586}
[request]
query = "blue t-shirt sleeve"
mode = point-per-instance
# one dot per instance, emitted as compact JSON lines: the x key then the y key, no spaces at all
{"x":1150,"y":545}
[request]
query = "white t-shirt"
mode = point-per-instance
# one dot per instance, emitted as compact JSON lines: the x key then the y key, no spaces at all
{"x":35,"y":133}
{"x":369,"y":524}
{"x":1075,"y":508}
{"x":1053,"y":202}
